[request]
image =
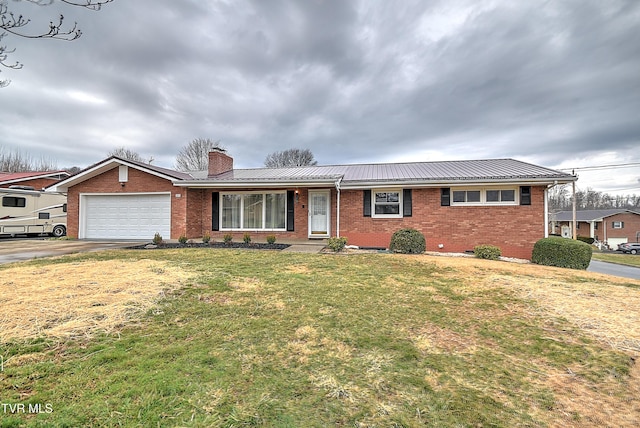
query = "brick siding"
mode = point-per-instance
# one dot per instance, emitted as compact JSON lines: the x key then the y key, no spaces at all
{"x":514,"y":229}
{"x":108,"y":182}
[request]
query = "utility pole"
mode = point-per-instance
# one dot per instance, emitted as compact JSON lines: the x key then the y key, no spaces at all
{"x":575,"y":223}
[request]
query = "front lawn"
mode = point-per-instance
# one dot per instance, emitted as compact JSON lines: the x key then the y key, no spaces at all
{"x":619,"y":258}
{"x":261,"y":338}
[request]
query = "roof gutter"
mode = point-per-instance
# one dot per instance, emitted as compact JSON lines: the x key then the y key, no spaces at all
{"x":235,"y":184}
{"x":453,"y":183}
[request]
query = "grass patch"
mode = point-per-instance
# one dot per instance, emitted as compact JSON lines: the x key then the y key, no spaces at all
{"x":275,"y":339}
{"x":621,"y":259}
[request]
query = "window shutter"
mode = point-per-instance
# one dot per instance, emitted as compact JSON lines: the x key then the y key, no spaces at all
{"x":215,"y":211}
{"x":406,"y":203}
{"x":525,"y":195}
{"x":291,"y":200}
{"x":366,"y":203}
{"x":445,"y":197}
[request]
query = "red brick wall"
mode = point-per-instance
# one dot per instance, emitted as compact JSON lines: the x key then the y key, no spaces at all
{"x":630,"y":229}
{"x":512,"y":228}
{"x":36,"y":183}
{"x":108,"y":182}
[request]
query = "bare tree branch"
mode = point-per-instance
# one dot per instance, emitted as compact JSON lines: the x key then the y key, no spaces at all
{"x":291,"y":157}
{"x":195,"y":155}
{"x":16,"y":25}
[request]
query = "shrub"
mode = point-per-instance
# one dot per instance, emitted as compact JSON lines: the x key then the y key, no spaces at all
{"x":206,"y":238}
{"x":182,"y":239}
{"x":157,"y":239}
{"x":562,"y":252}
{"x":408,"y":241}
{"x":246,"y":238}
{"x":271,"y":239}
{"x":489,"y":252}
{"x":337,"y":244}
{"x":227,"y":238}
{"x":586,"y":239}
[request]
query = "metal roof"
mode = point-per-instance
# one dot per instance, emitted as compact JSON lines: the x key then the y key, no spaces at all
{"x":444,"y":171}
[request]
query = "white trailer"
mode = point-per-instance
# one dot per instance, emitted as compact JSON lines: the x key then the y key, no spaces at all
{"x":26,"y":211}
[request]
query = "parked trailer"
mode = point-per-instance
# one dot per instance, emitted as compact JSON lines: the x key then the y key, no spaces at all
{"x":24,"y":210}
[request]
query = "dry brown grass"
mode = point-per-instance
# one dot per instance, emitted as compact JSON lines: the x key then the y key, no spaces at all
{"x":81,"y":298}
{"x":601,"y":306}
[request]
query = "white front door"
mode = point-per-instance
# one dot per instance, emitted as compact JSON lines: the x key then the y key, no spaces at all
{"x":319,"y":213}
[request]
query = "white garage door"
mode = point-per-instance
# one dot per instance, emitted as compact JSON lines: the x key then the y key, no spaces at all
{"x":127,"y":216}
{"x":613,"y":242}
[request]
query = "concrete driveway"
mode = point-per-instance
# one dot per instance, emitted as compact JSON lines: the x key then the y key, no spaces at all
{"x":26,"y":249}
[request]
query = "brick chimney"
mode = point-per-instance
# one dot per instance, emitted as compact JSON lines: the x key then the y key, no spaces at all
{"x":219,"y":162}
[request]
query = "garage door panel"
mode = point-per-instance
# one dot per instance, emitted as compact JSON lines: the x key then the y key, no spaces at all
{"x":127,"y":216}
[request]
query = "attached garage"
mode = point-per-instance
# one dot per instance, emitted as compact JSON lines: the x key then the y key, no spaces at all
{"x":614,"y":242}
{"x":125,"y":216}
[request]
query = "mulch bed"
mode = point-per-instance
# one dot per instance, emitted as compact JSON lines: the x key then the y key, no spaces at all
{"x":249,"y":246}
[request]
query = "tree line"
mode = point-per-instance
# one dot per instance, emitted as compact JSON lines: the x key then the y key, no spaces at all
{"x":561,"y":199}
{"x":194,"y":156}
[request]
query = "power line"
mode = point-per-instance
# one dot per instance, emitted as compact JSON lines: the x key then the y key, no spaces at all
{"x":612,"y":166}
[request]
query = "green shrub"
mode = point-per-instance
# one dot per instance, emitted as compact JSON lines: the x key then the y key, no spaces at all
{"x":206,"y":238}
{"x":246,"y":238}
{"x":227,"y":238}
{"x":562,"y":252}
{"x":157,"y":239}
{"x":586,"y":239}
{"x":271,"y":239}
{"x":337,"y":244}
{"x":408,"y":241}
{"x":489,"y":252}
{"x":182,"y":239}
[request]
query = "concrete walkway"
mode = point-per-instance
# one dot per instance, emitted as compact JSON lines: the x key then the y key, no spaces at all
{"x":309,"y":247}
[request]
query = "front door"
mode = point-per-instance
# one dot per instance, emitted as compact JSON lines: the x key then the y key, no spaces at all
{"x":319,"y":213}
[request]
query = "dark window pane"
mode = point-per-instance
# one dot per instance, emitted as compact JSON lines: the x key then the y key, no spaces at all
{"x":493,"y":196}
{"x":508,"y":196}
{"x":459,"y":196}
{"x":387,"y":208}
{"x":473,"y":196}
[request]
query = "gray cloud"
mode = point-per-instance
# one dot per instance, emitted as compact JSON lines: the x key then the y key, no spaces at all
{"x":547,"y":82}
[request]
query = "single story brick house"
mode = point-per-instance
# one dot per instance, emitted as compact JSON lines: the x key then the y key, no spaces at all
{"x":611,"y":226}
{"x":455,"y":204}
{"x":36,"y":179}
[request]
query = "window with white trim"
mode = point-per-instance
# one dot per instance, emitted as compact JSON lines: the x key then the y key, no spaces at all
{"x":386,"y":203}
{"x":485,"y":196}
{"x":253,"y":211}
{"x":617,"y":224}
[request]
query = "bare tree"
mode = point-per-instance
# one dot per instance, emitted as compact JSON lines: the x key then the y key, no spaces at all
{"x":16,"y":25}
{"x":291,"y":157}
{"x":127,"y":154}
{"x":16,"y":161}
{"x":195,"y":155}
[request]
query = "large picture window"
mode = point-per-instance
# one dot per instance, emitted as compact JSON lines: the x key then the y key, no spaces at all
{"x":253,"y":211}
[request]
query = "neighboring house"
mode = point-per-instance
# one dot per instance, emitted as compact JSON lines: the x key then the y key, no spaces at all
{"x":38,"y":180}
{"x":455,"y":204}
{"x":613,"y":226}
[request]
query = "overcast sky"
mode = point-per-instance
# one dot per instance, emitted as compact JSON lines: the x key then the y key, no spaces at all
{"x":555,"y":83}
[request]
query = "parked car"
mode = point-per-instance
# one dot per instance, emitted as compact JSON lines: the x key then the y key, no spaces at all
{"x":630,"y":247}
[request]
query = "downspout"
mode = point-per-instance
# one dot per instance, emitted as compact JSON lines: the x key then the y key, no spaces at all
{"x":338,"y":207}
{"x":546,"y":207}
